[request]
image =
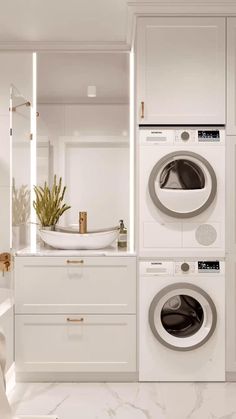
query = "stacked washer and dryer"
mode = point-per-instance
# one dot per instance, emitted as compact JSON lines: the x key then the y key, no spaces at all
{"x":181,"y":250}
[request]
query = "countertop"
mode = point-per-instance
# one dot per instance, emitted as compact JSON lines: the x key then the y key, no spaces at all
{"x":49,"y":251}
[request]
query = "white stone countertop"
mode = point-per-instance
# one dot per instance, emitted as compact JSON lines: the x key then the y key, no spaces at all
{"x":49,"y":251}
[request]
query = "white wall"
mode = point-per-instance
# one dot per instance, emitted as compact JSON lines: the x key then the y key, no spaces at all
{"x":15,"y":68}
{"x":91,"y":152}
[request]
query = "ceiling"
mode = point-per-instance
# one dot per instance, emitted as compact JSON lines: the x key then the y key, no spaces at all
{"x":64,"y":77}
{"x":103,"y":21}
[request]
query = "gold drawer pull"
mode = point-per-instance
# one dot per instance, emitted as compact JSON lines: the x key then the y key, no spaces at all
{"x":75,"y":261}
{"x":75,"y":320}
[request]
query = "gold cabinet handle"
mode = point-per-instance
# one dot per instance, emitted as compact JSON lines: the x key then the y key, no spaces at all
{"x":75,"y":261}
{"x":142,"y":110}
{"x":75,"y":320}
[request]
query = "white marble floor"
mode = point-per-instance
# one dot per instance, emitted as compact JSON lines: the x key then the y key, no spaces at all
{"x":126,"y":400}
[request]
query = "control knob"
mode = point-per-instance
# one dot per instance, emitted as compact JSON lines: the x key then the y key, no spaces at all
{"x":185,"y":135}
{"x":185,"y":267}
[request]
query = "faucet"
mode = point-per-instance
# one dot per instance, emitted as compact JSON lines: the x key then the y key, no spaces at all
{"x":83,"y":222}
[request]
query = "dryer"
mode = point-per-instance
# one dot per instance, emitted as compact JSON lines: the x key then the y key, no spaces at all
{"x":182,"y":320}
{"x":182,"y":192}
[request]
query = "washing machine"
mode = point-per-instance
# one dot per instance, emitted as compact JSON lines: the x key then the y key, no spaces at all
{"x":182,"y":192}
{"x":182,"y":320}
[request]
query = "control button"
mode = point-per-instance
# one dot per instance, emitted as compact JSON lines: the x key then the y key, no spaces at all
{"x":185,"y":267}
{"x":185,"y":135}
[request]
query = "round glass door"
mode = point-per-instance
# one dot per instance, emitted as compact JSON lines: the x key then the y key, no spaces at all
{"x":182,"y":184}
{"x":182,"y":317}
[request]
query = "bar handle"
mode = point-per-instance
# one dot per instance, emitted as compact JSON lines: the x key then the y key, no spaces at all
{"x":142,"y":109}
{"x":80,"y":262}
{"x":69,"y":320}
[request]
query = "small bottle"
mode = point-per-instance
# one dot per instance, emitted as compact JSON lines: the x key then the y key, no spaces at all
{"x":122,"y":239}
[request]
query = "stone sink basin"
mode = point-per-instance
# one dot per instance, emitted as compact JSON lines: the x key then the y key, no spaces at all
{"x":75,"y":241}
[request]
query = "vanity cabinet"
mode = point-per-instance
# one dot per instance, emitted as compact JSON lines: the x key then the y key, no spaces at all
{"x":74,"y":316}
{"x":231,"y":76}
{"x":180,"y":70}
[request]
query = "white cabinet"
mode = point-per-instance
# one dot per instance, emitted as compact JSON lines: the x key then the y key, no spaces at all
{"x":75,"y":316}
{"x":231,"y":256}
{"x":181,"y":70}
{"x":231,"y":76}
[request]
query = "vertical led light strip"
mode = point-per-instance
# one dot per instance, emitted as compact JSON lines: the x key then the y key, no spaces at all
{"x":132,"y":151}
{"x":33,"y":165}
{"x":10,"y":197}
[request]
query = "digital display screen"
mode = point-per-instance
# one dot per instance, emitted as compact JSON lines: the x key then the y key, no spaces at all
{"x":209,"y":134}
{"x":209,"y":265}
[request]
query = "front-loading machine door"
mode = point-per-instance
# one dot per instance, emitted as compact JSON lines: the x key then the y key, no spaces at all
{"x":182,"y":316}
{"x":182,"y":184}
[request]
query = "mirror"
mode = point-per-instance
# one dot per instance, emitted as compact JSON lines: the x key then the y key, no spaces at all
{"x":85,"y":139}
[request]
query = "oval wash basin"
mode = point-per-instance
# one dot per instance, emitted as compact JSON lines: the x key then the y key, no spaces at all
{"x":76,"y":241}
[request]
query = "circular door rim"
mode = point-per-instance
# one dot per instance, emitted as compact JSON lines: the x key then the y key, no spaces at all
{"x":163,"y":293}
{"x":159,"y":165}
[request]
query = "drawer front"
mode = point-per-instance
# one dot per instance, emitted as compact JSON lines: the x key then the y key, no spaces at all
{"x":99,"y":343}
{"x":88,"y":285}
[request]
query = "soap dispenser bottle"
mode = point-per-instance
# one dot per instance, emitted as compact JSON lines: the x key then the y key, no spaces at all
{"x":122,"y":239}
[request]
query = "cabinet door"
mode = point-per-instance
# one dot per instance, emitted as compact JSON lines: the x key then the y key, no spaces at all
{"x":181,"y":70}
{"x":75,"y":285}
{"x":231,"y":255}
{"x":231,"y":76}
{"x":69,"y":343}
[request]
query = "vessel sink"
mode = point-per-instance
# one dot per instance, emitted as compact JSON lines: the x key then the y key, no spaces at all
{"x":77,"y":241}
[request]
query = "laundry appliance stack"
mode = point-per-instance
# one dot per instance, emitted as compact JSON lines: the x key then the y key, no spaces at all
{"x":181,"y":213}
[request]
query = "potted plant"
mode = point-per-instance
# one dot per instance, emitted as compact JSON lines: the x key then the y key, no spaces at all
{"x":48,"y":203}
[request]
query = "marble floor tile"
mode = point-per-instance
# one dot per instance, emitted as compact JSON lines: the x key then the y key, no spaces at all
{"x":126,"y":400}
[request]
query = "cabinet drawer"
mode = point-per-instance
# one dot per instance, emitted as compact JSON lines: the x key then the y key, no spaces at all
{"x":89,"y":285}
{"x":99,"y":343}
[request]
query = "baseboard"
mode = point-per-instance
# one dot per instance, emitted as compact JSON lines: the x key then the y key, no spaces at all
{"x":230,"y":376}
{"x":51,"y":377}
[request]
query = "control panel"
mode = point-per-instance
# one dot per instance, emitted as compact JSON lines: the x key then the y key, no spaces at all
{"x":208,"y":135}
{"x":208,"y":266}
{"x":181,"y":267}
{"x":182,"y":135}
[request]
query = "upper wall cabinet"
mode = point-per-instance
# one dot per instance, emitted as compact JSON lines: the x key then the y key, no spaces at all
{"x":231,"y":76}
{"x":181,"y":70}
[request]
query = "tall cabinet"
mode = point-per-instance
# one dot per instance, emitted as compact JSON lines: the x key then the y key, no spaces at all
{"x":181,"y":70}
{"x":230,"y":194}
{"x":231,"y":76}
